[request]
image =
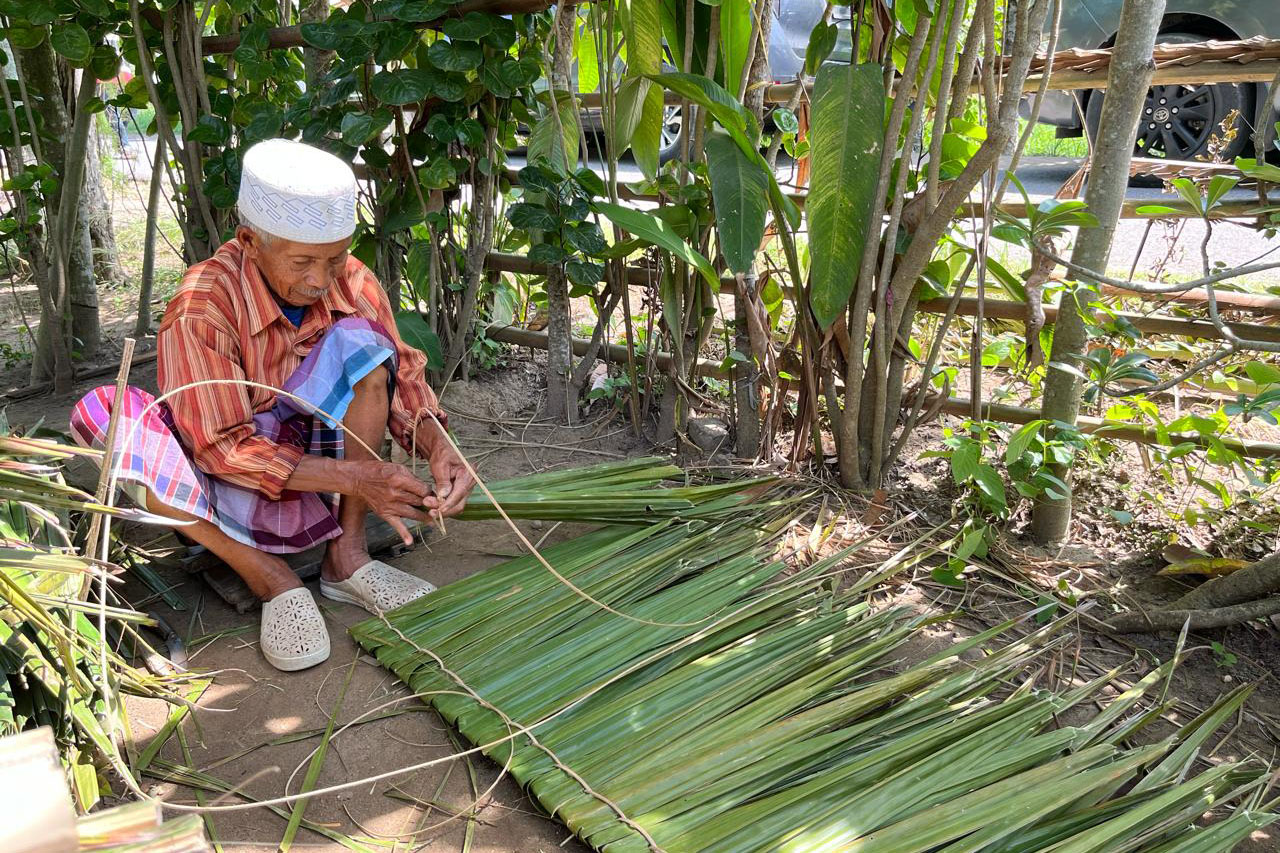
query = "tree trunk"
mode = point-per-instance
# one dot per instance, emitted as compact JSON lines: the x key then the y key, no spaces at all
{"x":1127,"y":83}
{"x":316,"y":62}
{"x":746,"y":374}
{"x":86,"y":330}
{"x":44,"y":84}
{"x":1256,"y":581}
{"x":559,"y":406}
{"x":142,"y":327}
{"x":559,"y":352}
{"x":106,"y":258}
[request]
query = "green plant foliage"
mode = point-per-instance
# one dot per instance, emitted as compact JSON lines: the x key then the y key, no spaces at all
{"x":848,"y":110}
{"x":51,"y":649}
{"x":416,"y":333}
{"x":653,"y":229}
{"x":640,"y":107}
{"x":554,"y":214}
{"x":741,"y":194}
{"x":555,"y":138}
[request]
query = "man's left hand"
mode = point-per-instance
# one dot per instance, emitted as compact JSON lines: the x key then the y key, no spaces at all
{"x":452,"y":479}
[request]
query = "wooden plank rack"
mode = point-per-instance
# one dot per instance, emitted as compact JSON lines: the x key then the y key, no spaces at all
{"x":383,"y":542}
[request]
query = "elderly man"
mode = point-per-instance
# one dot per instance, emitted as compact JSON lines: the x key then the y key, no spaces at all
{"x":255,"y":473}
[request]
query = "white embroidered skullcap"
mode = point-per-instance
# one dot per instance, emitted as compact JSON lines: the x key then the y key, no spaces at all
{"x":295,"y":191}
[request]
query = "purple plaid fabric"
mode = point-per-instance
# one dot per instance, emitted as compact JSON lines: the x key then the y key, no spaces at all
{"x":150,"y":452}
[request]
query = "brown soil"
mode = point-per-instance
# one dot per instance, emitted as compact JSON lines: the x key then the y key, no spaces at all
{"x":250,"y":703}
{"x":1112,"y":565}
{"x":495,"y":416}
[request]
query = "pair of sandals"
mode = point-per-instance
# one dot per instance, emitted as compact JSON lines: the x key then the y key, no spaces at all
{"x":293,"y":635}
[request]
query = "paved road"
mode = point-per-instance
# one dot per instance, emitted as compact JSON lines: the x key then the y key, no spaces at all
{"x":1177,"y":246}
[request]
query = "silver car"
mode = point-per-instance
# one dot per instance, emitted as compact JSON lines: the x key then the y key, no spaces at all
{"x":1179,"y":119}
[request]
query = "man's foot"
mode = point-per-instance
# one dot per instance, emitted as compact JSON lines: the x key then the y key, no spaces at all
{"x":293,"y":635}
{"x":376,"y":587}
{"x":343,"y":557}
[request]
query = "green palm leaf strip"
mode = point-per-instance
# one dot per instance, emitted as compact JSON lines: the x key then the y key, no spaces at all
{"x":770,"y":713}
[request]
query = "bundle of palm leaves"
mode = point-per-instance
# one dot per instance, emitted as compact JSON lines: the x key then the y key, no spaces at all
{"x":138,"y":828}
{"x":727,"y":702}
{"x":627,"y":492}
{"x":51,"y":647}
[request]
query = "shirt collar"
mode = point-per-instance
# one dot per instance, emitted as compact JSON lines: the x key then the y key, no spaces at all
{"x":261,"y":307}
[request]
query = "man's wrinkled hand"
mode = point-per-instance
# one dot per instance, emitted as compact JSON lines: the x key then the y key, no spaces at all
{"x":453,"y":481}
{"x":393,"y":494}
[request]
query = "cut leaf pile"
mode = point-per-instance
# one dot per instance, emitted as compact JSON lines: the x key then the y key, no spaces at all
{"x":741,"y":704}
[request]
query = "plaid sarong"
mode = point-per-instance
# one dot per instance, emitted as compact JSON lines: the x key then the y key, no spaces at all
{"x":150,"y":453}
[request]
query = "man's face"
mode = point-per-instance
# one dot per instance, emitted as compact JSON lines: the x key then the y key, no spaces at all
{"x":298,"y":273}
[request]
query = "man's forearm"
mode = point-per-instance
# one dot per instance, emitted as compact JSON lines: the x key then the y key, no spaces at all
{"x":322,"y":474}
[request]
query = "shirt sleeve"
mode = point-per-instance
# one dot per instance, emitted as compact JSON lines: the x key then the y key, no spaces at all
{"x":216,"y":420}
{"x":414,"y":401}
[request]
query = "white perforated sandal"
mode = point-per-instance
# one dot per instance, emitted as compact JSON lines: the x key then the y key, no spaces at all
{"x":293,"y":635}
{"x":376,"y":587}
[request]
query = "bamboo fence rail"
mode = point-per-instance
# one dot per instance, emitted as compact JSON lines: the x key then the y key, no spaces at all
{"x":960,"y":406}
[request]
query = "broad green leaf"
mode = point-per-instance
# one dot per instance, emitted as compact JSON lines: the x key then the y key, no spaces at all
{"x":210,"y":130}
{"x":1021,"y":440}
{"x":821,"y":42}
{"x":724,"y":108}
{"x":739,"y":188}
{"x":556,"y":136}
{"x":588,"y":60}
{"x":1260,"y":171}
{"x":1219,"y":185}
{"x":415,"y":332}
{"x":964,"y":461}
{"x":402,"y":86}
{"x":735,"y":37}
{"x":26,"y":37}
{"x":848,"y":111}
{"x":644,"y":56}
{"x":455,"y":55}
{"x":338,"y":34}
{"x":470,"y":27}
{"x":739,"y":124}
{"x":653,"y":230}
{"x":359,"y":128}
{"x":633,"y":94}
{"x":1162,"y":210}
{"x":1262,"y":373}
{"x":72,"y":41}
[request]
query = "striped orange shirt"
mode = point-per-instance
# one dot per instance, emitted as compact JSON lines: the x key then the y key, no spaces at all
{"x":224,"y":323}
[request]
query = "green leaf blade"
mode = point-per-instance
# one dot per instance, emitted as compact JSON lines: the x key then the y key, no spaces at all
{"x":848,"y":110}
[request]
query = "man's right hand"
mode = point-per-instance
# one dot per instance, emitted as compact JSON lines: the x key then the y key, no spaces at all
{"x":391,"y":492}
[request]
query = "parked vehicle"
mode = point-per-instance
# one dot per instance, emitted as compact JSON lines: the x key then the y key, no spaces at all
{"x":793,"y":21}
{"x":1178,"y":120}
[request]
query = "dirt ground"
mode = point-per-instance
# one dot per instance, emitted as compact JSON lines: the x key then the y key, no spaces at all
{"x":250,"y":703}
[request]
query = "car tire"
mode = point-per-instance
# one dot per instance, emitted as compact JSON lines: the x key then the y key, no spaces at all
{"x":1178,"y":120}
{"x":672,"y":126}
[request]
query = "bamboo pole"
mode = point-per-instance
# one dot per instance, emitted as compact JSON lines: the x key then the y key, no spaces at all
{"x":967,"y":306}
{"x":959,"y":406}
{"x":1110,"y":429}
{"x":279,"y":38}
{"x":1150,"y":323}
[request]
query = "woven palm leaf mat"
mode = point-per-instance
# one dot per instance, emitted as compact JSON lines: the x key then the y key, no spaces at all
{"x":734,"y":702}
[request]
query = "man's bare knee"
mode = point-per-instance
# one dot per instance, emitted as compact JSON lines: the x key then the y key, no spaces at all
{"x":374,"y":380}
